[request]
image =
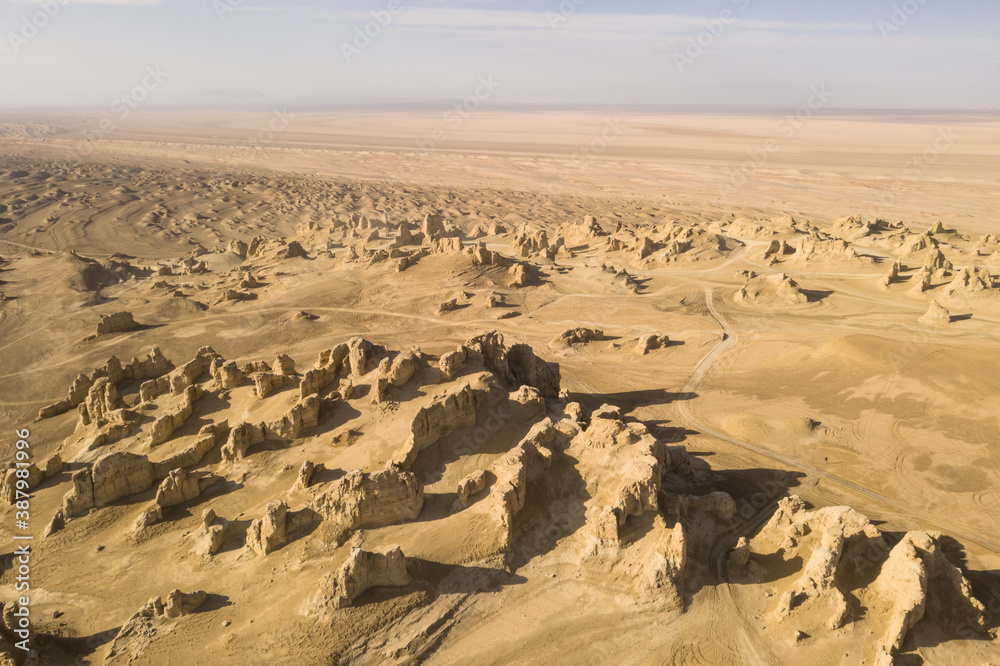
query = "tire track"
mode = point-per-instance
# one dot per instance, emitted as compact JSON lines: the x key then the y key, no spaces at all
{"x":683,"y":412}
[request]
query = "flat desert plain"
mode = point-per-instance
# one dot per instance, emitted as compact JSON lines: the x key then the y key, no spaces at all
{"x":386,"y":388}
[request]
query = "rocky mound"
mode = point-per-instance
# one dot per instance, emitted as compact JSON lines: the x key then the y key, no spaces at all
{"x":971,"y":282}
{"x":576,"y":336}
{"x":937,"y":315}
{"x":847,"y":571}
{"x":774,"y":291}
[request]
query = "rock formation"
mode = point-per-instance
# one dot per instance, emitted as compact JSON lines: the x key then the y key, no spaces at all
{"x":241,"y":438}
{"x":651,"y":342}
{"x":774,"y":291}
{"x":119,"y":322}
{"x":227,"y":374}
{"x":517,"y":365}
{"x":456,"y":409}
{"x":915,"y":581}
{"x":181,"y":486}
{"x":102,"y":399}
{"x":164,"y":426}
{"x":111,"y":478}
{"x":371,"y":500}
{"x":362,"y":571}
{"x":921,"y":281}
{"x":206,"y":440}
{"x":471,"y":485}
{"x":575,"y":336}
{"x":135,"y":636}
{"x":893,"y":275}
{"x":936,"y":261}
{"x":212,"y":534}
{"x":937,"y":315}
{"x":269,"y":533}
{"x":971,"y":281}
{"x":452,"y":363}
{"x":328,"y":367}
{"x":153,"y":365}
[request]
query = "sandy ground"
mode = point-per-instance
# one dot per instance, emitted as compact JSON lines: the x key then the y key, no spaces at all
{"x":834,"y":389}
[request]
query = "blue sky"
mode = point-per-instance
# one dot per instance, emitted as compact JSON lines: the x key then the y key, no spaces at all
{"x":877,"y":53}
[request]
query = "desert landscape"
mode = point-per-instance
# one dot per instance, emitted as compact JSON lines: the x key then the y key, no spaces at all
{"x":532,"y":398}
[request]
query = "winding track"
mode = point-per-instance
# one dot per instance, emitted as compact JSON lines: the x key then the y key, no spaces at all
{"x":730,"y":339}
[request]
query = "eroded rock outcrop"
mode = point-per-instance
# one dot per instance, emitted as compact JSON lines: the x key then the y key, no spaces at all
{"x":361,"y":500}
{"x":29,"y":477}
{"x":576,"y":336}
{"x":455,"y":409}
{"x":211,"y":534}
{"x":153,"y":364}
{"x":892,"y":276}
{"x":227,"y":374}
{"x":134,"y":639}
{"x":207,"y":439}
{"x":452,"y":363}
{"x":181,"y":486}
{"x":971,"y":281}
{"x":528,"y":242}
{"x":302,"y":415}
{"x":774,"y":291}
{"x":360,"y":353}
{"x":937,"y":315}
{"x":180,"y":378}
{"x":102,"y":399}
{"x":516,"y":365}
{"x":937,"y":262}
{"x":402,"y":368}
{"x":362,"y":571}
{"x":834,"y":542}
{"x":118,"y":322}
{"x":241,"y":438}
{"x":636,"y":462}
{"x":111,"y":478}
{"x":917,"y":581}
{"x":651,"y":342}
{"x":510,"y":475}
{"x":328,"y":367}
{"x":164,"y":426}
{"x":270,"y":532}
{"x":471,"y":485}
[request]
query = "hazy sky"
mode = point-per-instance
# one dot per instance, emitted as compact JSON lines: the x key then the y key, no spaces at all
{"x":867,"y":53}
